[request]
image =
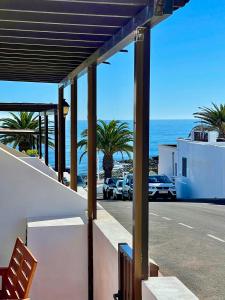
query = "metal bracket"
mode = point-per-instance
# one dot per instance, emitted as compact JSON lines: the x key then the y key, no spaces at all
{"x":139,"y":36}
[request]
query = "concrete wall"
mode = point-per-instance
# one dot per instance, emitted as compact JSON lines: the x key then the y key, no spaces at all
{"x":205,"y":174}
{"x":107,"y":234}
{"x":166,"y":160}
{"x":25,"y":193}
{"x":165,"y":288}
{"x":60,"y":246}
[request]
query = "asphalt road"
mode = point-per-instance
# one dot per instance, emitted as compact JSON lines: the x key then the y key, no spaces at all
{"x":186,"y":240}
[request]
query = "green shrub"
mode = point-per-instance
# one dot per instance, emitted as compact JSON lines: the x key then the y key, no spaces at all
{"x":32,"y":152}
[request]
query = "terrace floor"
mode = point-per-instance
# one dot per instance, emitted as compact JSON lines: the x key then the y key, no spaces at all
{"x":187,"y":240}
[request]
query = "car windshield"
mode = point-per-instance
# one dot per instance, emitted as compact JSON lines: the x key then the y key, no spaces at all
{"x":159,"y":179}
{"x":110,"y":181}
{"x":120,"y":183}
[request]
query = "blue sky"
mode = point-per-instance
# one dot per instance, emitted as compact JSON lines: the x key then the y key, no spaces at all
{"x":187,"y":70}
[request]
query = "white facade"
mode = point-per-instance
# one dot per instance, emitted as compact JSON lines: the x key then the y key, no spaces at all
{"x":200,"y":168}
{"x":168,"y":160}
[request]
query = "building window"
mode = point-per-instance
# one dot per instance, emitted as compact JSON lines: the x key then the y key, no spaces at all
{"x":173,"y":163}
{"x":184,"y":166}
{"x":175,"y":169}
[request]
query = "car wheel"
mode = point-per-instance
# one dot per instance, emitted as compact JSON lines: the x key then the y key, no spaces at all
{"x":130,"y":196}
{"x":104,"y":195}
{"x":111,"y":196}
{"x":123,"y":197}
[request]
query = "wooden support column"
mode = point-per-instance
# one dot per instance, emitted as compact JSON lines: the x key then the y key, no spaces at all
{"x":40,"y":137}
{"x":61,"y":135}
{"x":73,"y":136}
{"x":46,"y":139}
{"x":92,"y":120}
{"x":141,"y":159}
{"x":56,"y":139}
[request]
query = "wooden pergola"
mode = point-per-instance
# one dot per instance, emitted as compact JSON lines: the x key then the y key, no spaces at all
{"x":44,"y":109}
{"x":58,"y":41}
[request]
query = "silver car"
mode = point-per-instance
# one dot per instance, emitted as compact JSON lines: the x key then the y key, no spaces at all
{"x":117,"y":191}
{"x":159,"y":186}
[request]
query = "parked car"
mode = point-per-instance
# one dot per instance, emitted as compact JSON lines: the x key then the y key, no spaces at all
{"x":108,"y":187}
{"x":117,"y":191}
{"x":161,"y":186}
{"x":158,"y":186}
{"x":81,"y":182}
{"x":127,"y":187}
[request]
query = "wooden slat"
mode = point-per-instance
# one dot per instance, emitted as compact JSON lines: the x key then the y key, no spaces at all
{"x":20,"y":273}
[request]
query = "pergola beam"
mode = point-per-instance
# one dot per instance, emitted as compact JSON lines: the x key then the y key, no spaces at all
{"x":119,"y":40}
{"x":30,"y":107}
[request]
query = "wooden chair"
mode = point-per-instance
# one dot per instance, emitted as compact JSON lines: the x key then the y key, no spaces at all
{"x":17,"y":278}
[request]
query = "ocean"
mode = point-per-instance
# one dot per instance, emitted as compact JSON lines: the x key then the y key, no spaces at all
{"x":161,"y":132}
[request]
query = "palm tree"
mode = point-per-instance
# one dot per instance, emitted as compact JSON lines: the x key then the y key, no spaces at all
{"x":23,"y":120}
{"x":212,"y":118}
{"x":112,"y":137}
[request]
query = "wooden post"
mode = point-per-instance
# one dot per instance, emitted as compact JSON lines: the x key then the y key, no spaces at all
{"x":40,"y":137}
{"x":92,"y":120}
{"x":46,"y":139}
{"x":141,"y":160}
{"x":56,"y":139}
{"x":60,"y":135}
{"x":73,"y":136}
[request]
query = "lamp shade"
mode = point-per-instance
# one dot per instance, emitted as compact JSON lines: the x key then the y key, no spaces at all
{"x":66,"y":108}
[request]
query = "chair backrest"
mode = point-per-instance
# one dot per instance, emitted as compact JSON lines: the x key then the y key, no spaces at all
{"x":16,"y":284}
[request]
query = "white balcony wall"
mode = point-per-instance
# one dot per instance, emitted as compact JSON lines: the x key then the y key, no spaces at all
{"x":25,"y":192}
{"x":107,"y":233}
{"x":40,"y":165}
{"x":165,"y":288}
{"x":60,"y":246}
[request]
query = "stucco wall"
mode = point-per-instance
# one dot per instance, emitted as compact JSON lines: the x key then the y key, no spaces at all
{"x":25,"y":193}
{"x":40,"y":165}
{"x":166,"y":159}
{"x":107,"y":234}
{"x":205,"y":171}
{"x":60,"y":247}
{"x":165,"y":288}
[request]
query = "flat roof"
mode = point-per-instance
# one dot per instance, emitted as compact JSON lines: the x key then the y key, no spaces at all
{"x":53,"y":40}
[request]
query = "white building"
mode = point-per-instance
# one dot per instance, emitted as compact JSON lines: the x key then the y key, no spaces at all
{"x":197,"y":165}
